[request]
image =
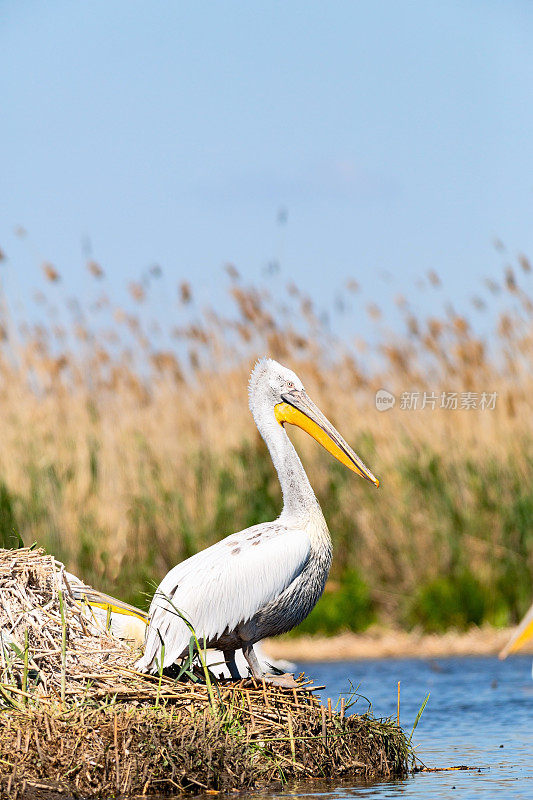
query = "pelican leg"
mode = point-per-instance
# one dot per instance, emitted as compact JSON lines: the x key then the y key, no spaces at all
{"x":285,"y":680}
{"x":250,"y":656}
{"x":229,"y":658}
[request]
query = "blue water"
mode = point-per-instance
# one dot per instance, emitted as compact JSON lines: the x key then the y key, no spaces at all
{"x":480,"y":713}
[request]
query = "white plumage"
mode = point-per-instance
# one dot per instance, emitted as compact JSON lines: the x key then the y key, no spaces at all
{"x":203,"y":586}
{"x":263,"y":580}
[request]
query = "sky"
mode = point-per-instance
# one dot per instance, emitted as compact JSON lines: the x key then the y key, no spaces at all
{"x":343,"y":140}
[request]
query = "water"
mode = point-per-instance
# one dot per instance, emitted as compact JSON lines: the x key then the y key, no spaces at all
{"x":480,"y":713}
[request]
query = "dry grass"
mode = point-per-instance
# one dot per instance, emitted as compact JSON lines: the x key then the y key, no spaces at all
{"x":122,"y":457}
{"x":76,"y":718}
{"x":132,"y":751}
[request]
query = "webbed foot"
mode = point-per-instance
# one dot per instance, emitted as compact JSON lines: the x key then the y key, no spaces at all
{"x":285,"y":680}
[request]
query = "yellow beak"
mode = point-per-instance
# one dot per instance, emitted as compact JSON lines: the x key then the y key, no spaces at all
{"x":298,"y":409}
{"x":522,"y":636}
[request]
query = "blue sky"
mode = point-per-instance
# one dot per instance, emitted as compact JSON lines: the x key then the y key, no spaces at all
{"x":398,"y":137}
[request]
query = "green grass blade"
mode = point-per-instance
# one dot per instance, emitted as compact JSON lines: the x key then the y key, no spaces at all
{"x":161,"y":663}
{"x":198,"y":649}
{"x":417,"y":719}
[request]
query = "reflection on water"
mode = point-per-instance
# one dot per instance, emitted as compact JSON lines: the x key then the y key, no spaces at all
{"x":480,"y":713}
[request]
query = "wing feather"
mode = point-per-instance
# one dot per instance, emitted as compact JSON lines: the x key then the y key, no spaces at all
{"x":222,"y":587}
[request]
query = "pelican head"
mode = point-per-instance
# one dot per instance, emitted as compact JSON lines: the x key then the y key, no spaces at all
{"x":278,"y":394}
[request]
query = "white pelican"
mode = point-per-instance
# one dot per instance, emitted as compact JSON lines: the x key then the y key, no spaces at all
{"x":128,"y":622}
{"x":521,"y":637}
{"x":264,"y":580}
{"x":123,"y":620}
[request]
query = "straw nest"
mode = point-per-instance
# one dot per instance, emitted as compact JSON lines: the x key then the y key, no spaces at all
{"x":76,"y":718}
{"x":33,"y":587}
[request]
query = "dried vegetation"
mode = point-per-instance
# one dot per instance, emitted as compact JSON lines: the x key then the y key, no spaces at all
{"x":77,"y":719}
{"x":127,"y":444}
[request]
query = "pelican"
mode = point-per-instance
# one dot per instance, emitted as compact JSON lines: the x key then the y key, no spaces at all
{"x":122,"y":619}
{"x":264,"y":580}
{"x":128,"y":622}
{"x":521,"y":637}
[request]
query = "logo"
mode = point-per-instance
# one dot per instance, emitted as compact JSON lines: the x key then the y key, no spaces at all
{"x":384,"y":400}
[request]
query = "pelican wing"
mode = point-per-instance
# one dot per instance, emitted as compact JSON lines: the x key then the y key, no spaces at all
{"x":222,"y":587}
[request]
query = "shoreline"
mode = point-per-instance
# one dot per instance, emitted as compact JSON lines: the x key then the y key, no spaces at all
{"x":388,"y":643}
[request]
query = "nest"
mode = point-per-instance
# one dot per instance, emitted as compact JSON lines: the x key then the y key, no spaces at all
{"x":41,"y":623}
{"x":81,"y":720}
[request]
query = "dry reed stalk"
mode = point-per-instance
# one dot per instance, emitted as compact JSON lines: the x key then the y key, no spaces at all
{"x":398,"y":706}
{"x":101,"y":453}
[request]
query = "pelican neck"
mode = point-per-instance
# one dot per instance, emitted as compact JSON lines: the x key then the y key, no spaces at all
{"x":298,"y":497}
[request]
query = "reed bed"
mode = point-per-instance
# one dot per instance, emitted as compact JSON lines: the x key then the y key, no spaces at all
{"x":127,"y":444}
{"x":77,"y":719}
{"x":122,"y":750}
